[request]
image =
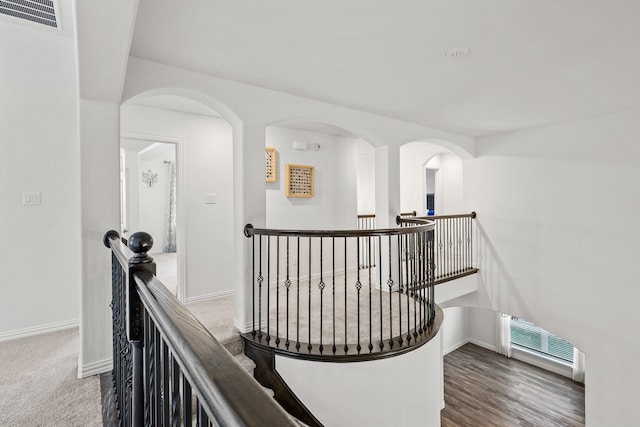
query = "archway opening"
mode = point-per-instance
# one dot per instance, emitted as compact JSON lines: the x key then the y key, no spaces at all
{"x":430,"y":179}
{"x":178,"y":174}
{"x":322,"y":176}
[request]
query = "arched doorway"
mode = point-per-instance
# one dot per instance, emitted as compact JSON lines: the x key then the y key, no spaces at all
{"x":161,"y":132}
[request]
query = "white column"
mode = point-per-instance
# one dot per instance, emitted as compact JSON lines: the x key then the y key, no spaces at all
{"x":387,"y":185}
{"x":387,"y":176}
{"x":249,"y":208}
{"x":99,"y":130}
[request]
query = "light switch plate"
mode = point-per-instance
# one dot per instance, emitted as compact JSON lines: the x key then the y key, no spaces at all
{"x":31,"y":198}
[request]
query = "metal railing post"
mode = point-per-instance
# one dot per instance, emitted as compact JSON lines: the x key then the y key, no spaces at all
{"x":140,"y":243}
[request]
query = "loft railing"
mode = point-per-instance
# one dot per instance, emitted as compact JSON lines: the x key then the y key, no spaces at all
{"x":168,"y":369}
{"x":453,"y":246}
{"x":367,"y":258}
{"x":311,"y":300}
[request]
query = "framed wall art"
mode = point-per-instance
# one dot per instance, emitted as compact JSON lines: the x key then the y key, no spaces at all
{"x":300,"y":181}
{"x":270,"y":164}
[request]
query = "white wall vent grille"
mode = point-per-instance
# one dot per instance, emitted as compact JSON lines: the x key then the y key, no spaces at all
{"x":38,"y":11}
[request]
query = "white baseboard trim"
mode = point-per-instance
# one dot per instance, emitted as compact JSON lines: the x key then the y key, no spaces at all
{"x":37,"y":330}
{"x":207,"y":297}
{"x":455,"y":346}
{"x":491,"y":347}
{"x":95,"y":368}
{"x":546,"y":363}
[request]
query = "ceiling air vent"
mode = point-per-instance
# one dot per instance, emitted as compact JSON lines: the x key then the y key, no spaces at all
{"x":38,"y":11}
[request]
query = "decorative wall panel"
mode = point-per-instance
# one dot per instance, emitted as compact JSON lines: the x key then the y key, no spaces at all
{"x":270,"y":164}
{"x":300,"y":181}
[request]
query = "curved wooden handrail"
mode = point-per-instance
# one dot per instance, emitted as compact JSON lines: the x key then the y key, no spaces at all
{"x":422,"y":224}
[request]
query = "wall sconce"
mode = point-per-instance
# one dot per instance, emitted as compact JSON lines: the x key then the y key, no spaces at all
{"x":150,"y":178}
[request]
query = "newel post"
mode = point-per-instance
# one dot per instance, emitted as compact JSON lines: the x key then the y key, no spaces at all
{"x":140,"y":243}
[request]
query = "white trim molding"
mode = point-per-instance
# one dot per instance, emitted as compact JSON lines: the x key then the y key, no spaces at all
{"x":212,"y":296}
{"x":482,"y":344}
{"x":455,"y":346}
{"x":95,"y":368}
{"x":37,"y":330}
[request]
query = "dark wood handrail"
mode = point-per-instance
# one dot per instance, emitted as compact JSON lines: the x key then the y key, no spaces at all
{"x":225,"y":389}
{"x":433,"y":217}
{"x":423,"y":224}
{"x":402,"y":214}
{"x":225,"y":392}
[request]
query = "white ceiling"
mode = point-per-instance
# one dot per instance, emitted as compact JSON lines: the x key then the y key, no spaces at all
{"x":531,"y":62}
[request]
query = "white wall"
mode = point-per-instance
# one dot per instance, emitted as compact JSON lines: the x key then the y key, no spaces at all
{"x":455,"y":328}
{"x":366,"y":178}
{"x":483,"y":329}
{"x":208,"y":168}
{"x":450,"y":176}
{"x":335,"y":201}
{"x":449,"y":191}
{"x":556,"y":213}
{"x":133,"y":176}
{"x":402,"y":391}
{"x":39,"y":146}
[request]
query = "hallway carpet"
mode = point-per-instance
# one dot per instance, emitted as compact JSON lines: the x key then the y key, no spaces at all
{"x":39,"y":384}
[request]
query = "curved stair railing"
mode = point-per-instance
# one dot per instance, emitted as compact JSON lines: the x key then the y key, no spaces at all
{"x":312,"y":300}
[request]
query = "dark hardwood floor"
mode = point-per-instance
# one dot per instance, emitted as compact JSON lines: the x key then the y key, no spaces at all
{"x":482,"y":388}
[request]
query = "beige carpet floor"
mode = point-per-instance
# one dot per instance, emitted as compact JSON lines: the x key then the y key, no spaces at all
{"x":39,"y":384}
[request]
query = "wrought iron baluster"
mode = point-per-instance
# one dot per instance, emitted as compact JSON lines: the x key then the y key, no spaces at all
{"x":407,"y":287}
{"x":346,"y":347}
{"x":390,"y":285}
{"x":148,"y":361}
{"x":175,"y":392}
{"x":260,"y":280}
{"x":333,"y":290}
{"x":268,"y":291}
{"x":298,"y":300}
{"x":157,"y":344}
{"x":321,"y":286}
{"x":278,"y":291}
{"x":309,"y":346}
{"x":186,"y":402}
{"x":381,"y":343}
{"x":400,"y":290}
{"x":370,"y":305}
{"x":166,"y":402}
{"x":287,"y":284}
{"x":253,"y":284}
{"x":412,"y":240}
{"x":358,"y":287}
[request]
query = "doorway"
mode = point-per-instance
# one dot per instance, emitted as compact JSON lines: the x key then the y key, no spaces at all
{"x":150,"y":201}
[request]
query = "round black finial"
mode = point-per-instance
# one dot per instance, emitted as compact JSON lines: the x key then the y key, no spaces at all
{"x":247,"y":230}
{"x":111,"y":234}
{"x":473,"y":214}
{"x":398,"y":219}
{"x":140,"y":243}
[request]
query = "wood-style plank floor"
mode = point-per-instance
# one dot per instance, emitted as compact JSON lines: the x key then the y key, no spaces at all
{"x":483,"y":388}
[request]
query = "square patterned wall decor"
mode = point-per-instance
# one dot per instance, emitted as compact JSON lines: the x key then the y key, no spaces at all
{"x":299,"y":181}
{"x":270,"y":164}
